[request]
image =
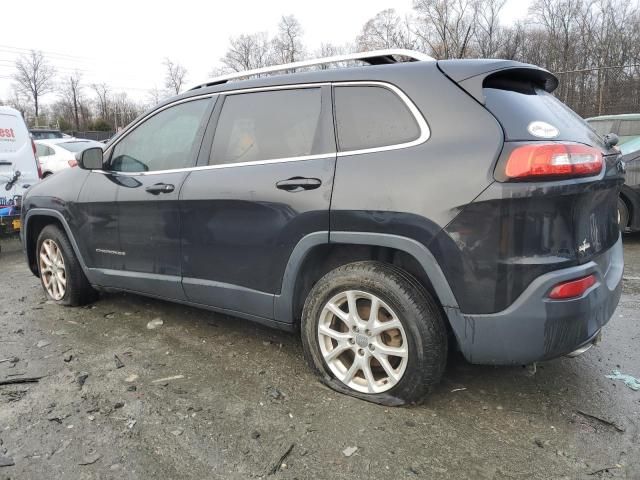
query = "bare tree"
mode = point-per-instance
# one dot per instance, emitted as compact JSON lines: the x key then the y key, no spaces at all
{"x":103,"y":93}
{"x":386,"y":30}
{"x":175,"y":76}
{"x":34,"y":77}
{"x":446,"y":27}
{"x":489,"y":35}
{"x":247,"y":52}
{"x":20,"y":102}
{"x":71,"y":93}
{"x":287,"y":45}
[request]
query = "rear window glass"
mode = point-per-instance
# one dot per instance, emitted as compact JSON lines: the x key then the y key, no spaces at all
{"x":516,"y":110}
{"x":46,"y":135}
{"x":372,"y":117}
{"x":267,"y":126}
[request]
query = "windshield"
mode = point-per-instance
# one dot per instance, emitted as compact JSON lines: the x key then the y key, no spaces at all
{"x":630,"y":147}
{"x":78,"y":146}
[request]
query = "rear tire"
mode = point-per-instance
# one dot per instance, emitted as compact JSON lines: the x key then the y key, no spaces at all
{"x":623,"y":215}
{"x":60,"y":272}
{"x":392,"y":357}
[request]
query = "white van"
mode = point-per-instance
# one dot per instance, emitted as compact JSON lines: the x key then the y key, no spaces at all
{"x":19,"y":166}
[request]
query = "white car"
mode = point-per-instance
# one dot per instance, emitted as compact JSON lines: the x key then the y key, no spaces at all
{"x":60,"y":153}
{"x":18,"y":162}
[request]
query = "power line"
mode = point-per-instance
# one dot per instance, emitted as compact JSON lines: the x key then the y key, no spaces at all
{"x":609,"y":67}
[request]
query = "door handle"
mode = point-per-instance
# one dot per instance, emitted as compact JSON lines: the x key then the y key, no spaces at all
{"x":297,"y":184}
{"x":160,"y":188}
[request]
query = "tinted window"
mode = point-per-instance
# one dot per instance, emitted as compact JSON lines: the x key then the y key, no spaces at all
{"x":266,"y":126}
{"x":371,"y":117}
{"x":43,"y":150}
{"x":163,"y":142}
{"x":44,"y":135}
{"x":518,"y":107}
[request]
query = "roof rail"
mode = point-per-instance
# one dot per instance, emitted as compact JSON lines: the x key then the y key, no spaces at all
{"x":374,"y":57}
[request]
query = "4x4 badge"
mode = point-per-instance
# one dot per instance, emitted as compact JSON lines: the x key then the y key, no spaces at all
{"x":584,"y":247}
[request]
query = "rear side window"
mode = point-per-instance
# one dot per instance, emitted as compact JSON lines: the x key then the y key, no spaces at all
{"x":267,"y":125}
{"x":372,"y":117}
{"x":163,"y":142}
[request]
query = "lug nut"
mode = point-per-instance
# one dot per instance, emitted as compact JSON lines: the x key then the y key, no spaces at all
{"x":351,"y":341}
{"x":367,"y":332}
{"x":356,"y":329}
{"x":361,"y":352}
{"x":372,"y":347}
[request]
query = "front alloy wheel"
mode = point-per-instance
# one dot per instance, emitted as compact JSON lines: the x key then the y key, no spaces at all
{"x":52,"y":269}
{"x":362,"y":341}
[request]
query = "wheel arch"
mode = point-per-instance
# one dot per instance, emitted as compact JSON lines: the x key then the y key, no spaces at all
{"x":317,"y":254}
{"x":37,"y":219}
{"x":626,"y":197}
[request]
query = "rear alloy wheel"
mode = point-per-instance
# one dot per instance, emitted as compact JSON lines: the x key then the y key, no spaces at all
{"x":370,"y":330}
{"x":363,"y":342}
{"x":623,"y":215}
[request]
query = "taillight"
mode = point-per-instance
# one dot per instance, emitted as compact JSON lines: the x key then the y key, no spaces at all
{"x":72,"y":163}
{"x":538,"y":160}
{"x":572,"y":288}
{"x":35,"y":155}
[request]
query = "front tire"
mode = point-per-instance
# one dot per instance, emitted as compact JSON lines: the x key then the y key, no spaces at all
{"x":623,"y":215}
{"x":60,"y":272}
{"x":370,"y":330}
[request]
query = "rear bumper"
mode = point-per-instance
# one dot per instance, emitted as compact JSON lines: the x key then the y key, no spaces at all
{"x":535,"y":328}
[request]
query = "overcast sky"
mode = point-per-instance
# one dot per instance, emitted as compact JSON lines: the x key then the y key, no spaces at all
{"x":123,"y":43}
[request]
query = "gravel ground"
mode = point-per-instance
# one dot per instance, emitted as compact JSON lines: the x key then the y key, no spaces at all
{"x":211,"y":396}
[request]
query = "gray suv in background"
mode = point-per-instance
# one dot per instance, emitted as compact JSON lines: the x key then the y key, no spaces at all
{"x":387,"y":212}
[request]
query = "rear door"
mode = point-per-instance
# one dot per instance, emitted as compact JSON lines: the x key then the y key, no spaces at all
{"x":16,"y":155}
{"x":265,"y":182}
{"x":147,"y":168}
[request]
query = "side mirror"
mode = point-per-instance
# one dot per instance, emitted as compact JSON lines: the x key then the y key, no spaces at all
{"x":91,"y":159}
{"x":611,"y":140}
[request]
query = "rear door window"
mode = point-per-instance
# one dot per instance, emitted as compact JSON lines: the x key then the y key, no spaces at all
{"x":268,"y":125}
{"x":372,"y":117}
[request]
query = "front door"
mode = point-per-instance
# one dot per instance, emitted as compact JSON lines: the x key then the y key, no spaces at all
{"x":149,"y":166}
{"x":265,"y":182}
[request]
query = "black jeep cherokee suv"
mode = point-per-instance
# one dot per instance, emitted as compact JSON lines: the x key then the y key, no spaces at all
{"x":383,"y":210}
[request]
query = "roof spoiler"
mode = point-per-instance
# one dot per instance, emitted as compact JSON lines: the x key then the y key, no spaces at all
{"x":474,"y":75}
